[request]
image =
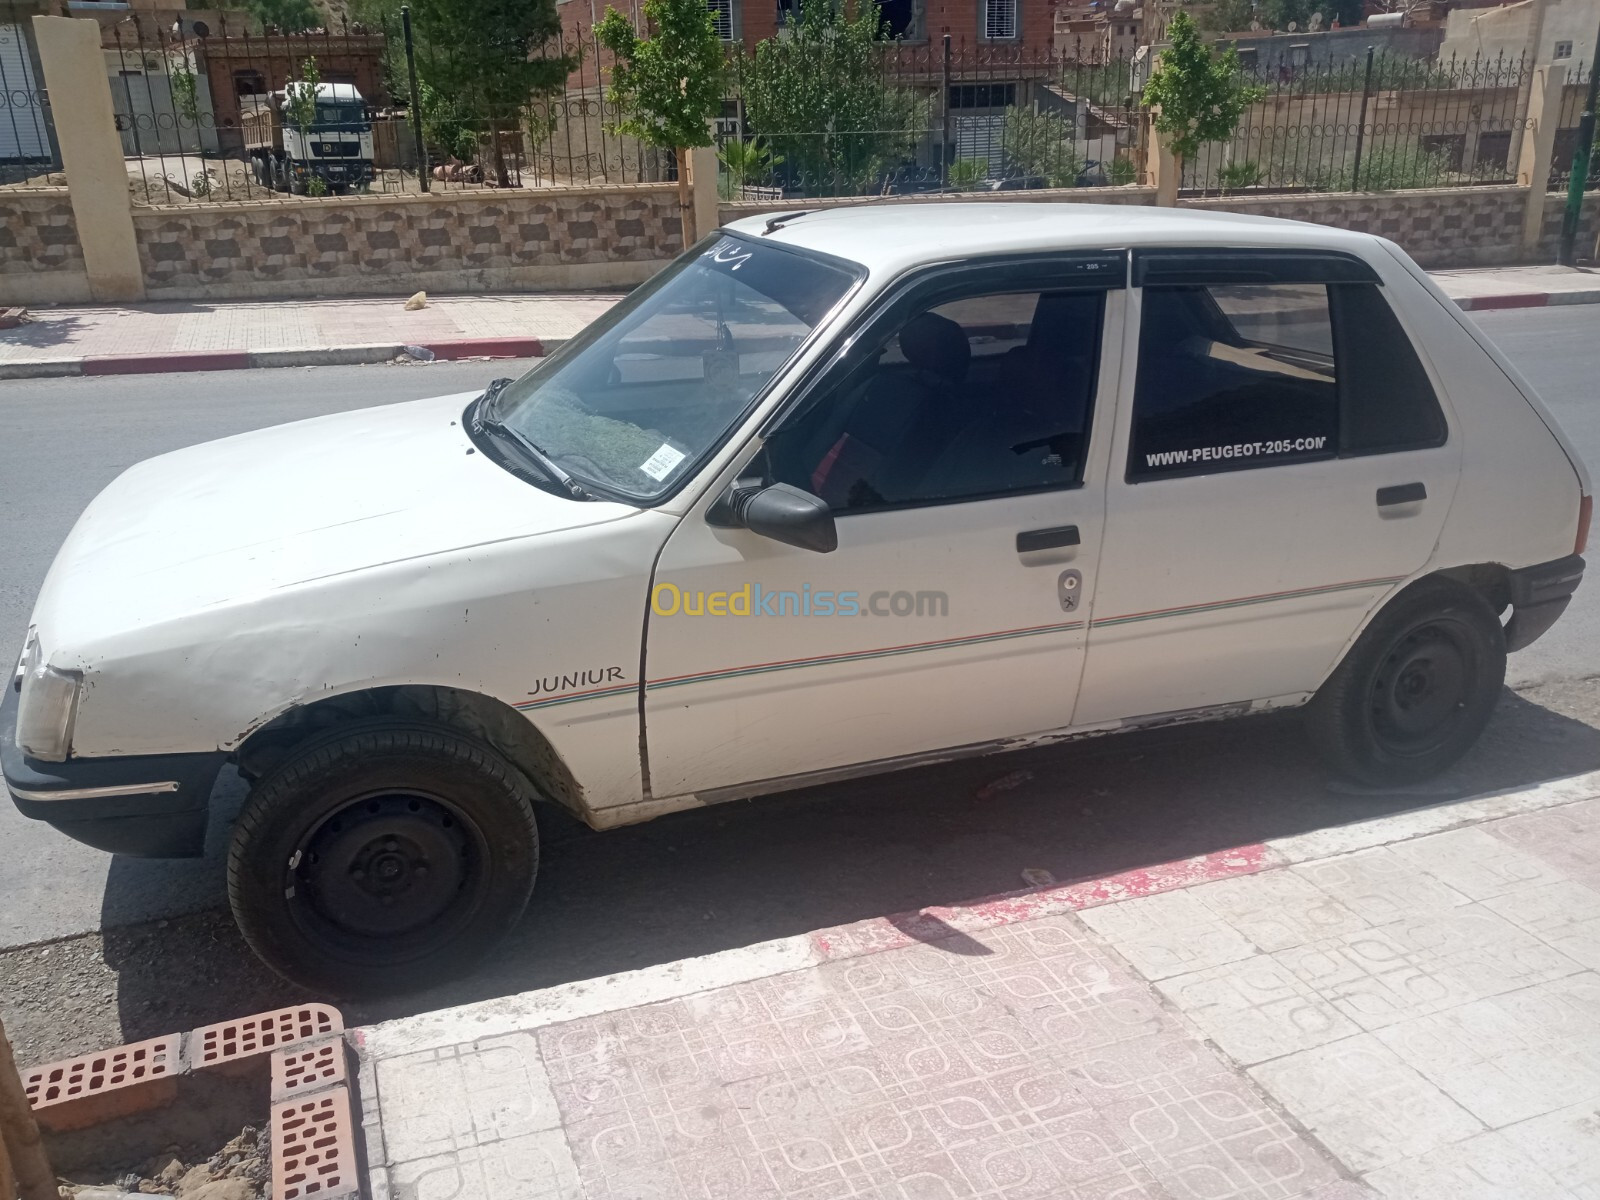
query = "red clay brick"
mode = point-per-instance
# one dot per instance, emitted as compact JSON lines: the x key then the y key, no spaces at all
{"x":79,"y":1092}
{"x":234,"y":1041}
{"x":302,"y":1070}
{"x":313,"y":1148}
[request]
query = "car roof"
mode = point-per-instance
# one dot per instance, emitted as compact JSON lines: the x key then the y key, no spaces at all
{"x":894,"y":237}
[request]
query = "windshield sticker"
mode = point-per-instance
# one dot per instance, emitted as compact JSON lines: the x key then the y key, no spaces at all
{"x":729,"y":253}
{"x":659,"y":465}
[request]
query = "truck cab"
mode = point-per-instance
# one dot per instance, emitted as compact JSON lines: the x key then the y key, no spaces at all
{"x":335,"y":147}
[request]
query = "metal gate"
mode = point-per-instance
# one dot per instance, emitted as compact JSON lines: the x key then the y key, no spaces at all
{"x":23,"y":136}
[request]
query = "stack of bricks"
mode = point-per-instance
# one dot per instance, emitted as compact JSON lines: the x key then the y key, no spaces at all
{"x":313,"y":1147}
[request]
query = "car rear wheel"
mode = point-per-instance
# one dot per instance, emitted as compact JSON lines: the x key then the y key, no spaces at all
{"x":382,"y":858}
{"x":1415,"y":690}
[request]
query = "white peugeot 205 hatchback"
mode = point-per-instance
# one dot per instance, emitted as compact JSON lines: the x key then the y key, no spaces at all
{"x":836,"y":492}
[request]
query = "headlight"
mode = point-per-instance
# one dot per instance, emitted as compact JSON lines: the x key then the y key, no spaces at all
{"x":48,"y":705}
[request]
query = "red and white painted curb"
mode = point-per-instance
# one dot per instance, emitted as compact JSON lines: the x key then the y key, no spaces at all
{"x":1528,"y":300}
{"x":671,"y":981}
{"x":237,"y":360}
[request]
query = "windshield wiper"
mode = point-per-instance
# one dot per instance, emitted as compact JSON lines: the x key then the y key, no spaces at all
{"x":488,"y":419}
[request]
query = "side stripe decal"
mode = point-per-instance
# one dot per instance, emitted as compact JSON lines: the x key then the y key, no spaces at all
{"x":950,"y":643}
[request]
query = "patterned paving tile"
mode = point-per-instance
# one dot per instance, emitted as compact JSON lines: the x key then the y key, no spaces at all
{"x":1487,"y":1167}
{"x":1364,"y":1102}
{"x":530,"y":1167}
{"x":1564,"y":915}
{"x":1476,"y":863}
{"x":1567,"y":1145}
{"x":1496,"y":1062}
{"x":1170,"y":934}
{"x":1412,"y":968}
{"x":1567,"y":837}
{"x":1257,"y":1009}
{"x":1380,"y":886}
{"x":1277,"y":910}
{"x":463,"y":1097}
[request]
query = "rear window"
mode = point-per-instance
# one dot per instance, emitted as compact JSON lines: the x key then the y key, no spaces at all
{"x":1238,"y":376}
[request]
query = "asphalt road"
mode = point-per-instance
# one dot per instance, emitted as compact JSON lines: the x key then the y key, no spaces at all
{"x":701,"y":881}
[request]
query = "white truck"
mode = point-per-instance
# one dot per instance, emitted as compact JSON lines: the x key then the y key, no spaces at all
{"x":835,"y":493}
{"x":334,"y":147}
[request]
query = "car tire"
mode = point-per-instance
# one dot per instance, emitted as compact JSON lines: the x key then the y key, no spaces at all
{"x":382,"y":858}
{"x":1415,"y":690}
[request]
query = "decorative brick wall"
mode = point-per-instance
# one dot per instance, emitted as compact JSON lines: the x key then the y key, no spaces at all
{"x":40,"y":259}
{"x":1555,"y":207}
{"x":453,"y":240}
{"x":38,"y":233}
{"x":1439,"y":227}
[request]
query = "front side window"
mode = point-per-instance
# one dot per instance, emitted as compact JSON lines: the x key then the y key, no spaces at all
{"x":978,"y":397}
{"x":642,"y":394}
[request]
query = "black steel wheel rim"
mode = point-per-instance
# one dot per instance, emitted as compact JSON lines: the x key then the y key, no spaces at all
{"x":1420,"y":692}
{"x":388,"y":868}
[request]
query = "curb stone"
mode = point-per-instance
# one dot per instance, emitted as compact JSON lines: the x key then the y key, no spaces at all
{"x":317,"y":356}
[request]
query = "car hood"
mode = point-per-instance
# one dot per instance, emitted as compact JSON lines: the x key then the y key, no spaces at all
{"x":228,"y":521}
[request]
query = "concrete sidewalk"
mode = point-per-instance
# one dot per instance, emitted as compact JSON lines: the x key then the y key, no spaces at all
{"x":1407,"y":1007}
{"x":281,"y":333}
{"x":219,"y":336}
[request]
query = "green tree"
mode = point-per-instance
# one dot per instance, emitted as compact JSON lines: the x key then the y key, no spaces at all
{"x":290,"y":16}
{"x":490,"y":58}
{"x":819,"y":98}
{"x":742,"y":162}
{"x":1198,"y":96}
{"x":1228,"y":16}
{"x":1040,"y":145}
{"x":668,"y":85}
{"x":300,"y":97}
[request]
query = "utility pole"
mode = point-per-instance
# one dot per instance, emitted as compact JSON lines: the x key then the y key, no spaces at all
{"x":1580,"y":165}
{"x":415,"y":115}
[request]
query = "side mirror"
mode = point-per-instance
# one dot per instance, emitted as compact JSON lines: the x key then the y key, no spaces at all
{"x":780,"y":512}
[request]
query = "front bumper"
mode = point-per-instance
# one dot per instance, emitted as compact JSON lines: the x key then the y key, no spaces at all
{"x":1538,"y":596}
{"x":148,"y":806}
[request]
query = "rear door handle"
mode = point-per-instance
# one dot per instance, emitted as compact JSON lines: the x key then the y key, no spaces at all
{"x":1047,"y":539}
{"x":1401,"y":493}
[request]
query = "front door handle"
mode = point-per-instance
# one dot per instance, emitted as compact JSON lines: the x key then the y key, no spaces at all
{"x":1401,"y":493}
{"x":1047,"y":539}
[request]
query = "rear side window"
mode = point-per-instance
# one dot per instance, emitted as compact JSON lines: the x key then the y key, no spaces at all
{"x":1232,"y":376}
{"x":1388,"y":402}
{"x":1238,"y":376}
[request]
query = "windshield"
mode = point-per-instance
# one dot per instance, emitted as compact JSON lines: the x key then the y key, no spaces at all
{"x":656,"y":383}
{"x":339,"y":114}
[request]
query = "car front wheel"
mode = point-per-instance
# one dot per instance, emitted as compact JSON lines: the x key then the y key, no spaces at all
{"x":382,"y":858}
{"x":1415,"y":690}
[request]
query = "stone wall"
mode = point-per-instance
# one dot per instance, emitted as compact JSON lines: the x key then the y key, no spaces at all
{"x":452,"y":241}
{"x":41,"y":261}
{"x":1439,"y":227}
{"x":1588,"y":226}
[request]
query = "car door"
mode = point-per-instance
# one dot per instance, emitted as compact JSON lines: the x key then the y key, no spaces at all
{"x":1282,"y":463}
{"x":954,"y":437}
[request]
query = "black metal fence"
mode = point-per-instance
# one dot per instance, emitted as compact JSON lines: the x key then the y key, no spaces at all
{"x":942,"y":116}
{"x":1566,"y":139}
{"x":202,"y":106}
{"x":29,"y":154}
{"x":1376,"y":123}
